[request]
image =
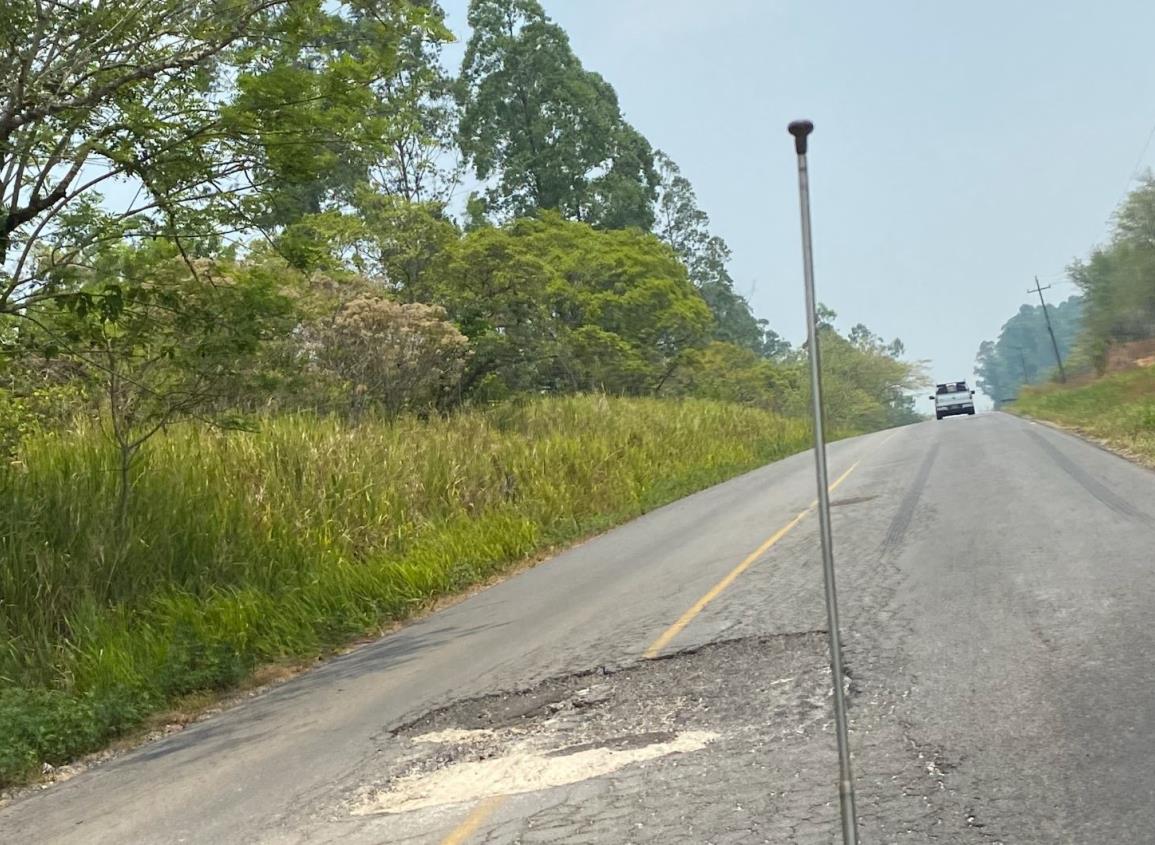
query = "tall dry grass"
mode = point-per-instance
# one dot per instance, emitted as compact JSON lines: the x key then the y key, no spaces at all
{"x":247,"y":548}
{"x":1118,"y":409}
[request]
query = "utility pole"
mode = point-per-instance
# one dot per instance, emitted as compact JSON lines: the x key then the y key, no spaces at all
{"x":1050,"y":331}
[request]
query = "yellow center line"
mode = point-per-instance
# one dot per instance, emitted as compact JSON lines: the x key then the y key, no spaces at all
{"x":474,"y":820}
{"x":686,"y":618}
{"x":481,"y":813}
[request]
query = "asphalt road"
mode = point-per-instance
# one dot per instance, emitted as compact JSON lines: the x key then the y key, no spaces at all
{"x":998,"y":592}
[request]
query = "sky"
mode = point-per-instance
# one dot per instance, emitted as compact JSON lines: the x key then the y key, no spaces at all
{"x":959,"y":149}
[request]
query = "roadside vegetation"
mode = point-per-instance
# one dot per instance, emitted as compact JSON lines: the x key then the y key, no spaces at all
{"x":1117,"y":409}
{"x":1106,"y":335}
{"x":286,"y":542}
{"x":268,"y":381}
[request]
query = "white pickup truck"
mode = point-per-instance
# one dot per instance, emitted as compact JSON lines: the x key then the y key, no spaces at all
{"x":953,"y":398}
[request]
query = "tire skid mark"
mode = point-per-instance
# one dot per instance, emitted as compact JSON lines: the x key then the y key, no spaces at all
{"x":1089,"y":483}
{"x":902,"y":519}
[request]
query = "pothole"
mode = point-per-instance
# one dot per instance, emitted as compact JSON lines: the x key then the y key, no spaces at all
{"x":592,"y":725}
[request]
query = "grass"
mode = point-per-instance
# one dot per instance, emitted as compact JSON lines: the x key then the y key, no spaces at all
{"x":245,"y":549}
{"x":1117,"y":409}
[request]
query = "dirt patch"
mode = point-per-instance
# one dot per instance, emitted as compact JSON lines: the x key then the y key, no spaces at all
{"x":1126,"y":356}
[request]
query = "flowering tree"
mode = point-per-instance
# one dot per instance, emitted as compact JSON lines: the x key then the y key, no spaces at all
{"x":400,"y":357}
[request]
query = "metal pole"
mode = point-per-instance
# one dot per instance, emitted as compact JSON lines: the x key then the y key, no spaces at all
{"x":800,"y":129}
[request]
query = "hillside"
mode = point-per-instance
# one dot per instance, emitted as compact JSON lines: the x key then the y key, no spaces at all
{"x":1117,"y":409}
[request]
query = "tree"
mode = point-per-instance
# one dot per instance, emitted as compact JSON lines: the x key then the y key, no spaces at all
{"x":730,"y":373}
{"x":548,"y":133}
{"x":735,"y":322}
{"x":214,"y":113}
{"x":1117,"y":282}
{"x":348,"y":100}
{"x":161,"y":341}
{"x":393,"y":356}
{"x":865,"y":385}
{"x":775,"y":347}
{"x":36,"y":394}
{"x":825,"y":316}
{"x":387,"y":239}
{"x":685,"y":227}
{"x":422,"y":119}
{"x":626,"y":284}
{"x":551,"y":305}
{"x":867,"y":341}
{"x":678,"y":219}
{"x":1023,"y":354}
{"x":494,"y":288}
{"x":996,"y":374}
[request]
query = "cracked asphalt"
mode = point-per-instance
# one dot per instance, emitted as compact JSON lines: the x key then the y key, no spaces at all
{"x":997,"y":585}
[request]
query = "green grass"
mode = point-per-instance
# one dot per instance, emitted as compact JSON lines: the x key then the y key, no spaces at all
{"x":1118,"y":409}
{"x":247,"y":549}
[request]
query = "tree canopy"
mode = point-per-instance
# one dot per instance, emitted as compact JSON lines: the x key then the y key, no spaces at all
{"x":1023,"y":353}
{"x":186,"y":119}
{"x":554,"y":305}
{"x":547,"y":132}
{"x":1117,"y":281}
{"x":686,"y":228}
{"x":276,"y":180}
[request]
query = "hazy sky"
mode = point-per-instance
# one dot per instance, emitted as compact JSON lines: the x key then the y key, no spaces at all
{"x":959,"y":148}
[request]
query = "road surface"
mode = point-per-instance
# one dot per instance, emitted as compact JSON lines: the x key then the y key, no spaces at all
{"x":998,"y":591}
